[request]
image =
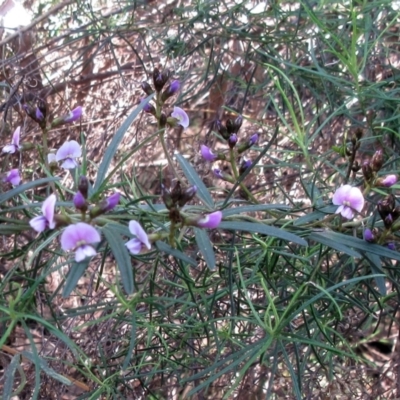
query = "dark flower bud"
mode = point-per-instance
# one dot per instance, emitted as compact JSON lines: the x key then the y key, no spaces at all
{"x":176,"y":192}
{"x":358,"y":133}
{"x":42,"y":106}
{"x":396,"y":213}
{"x":367,"y":171}
{"x":187,"y":195}
{"x":238,"y":123}
{"x":166,"y":196}
{"x":163,"y":120}
{"x":388,"y":221}
{"x":230,"y":126}
{"x":221,"y":129}
{"x":147,"y":88}
{"x":386,"y":206}
{"x":377,"y":161}
{"x":243,"y":166}
{"x":160,"y":79}
{"x":83,"y":186}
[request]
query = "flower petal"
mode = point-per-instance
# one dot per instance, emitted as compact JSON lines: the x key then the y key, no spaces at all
{"x":207,"y":154}
{"x":134,"y":246}
{"x":16,"y":136}
{"x":347,"y":213}
{"x":137,"y":230}
{"x":70,"y":149}
{"x":181,"y":116}
{"x":39,"y":223}
{"x":9,"y":148}
{"x":70,"y":237}
{"x":210,"y":221}
{"x":69,"y":163}
{"x":356,"y":199}
{"x":339,"y":210}
{"x":48,"y":210}
{"x":87,"y":233}
{"x":83,"y":252}
{"x":341,"y":195}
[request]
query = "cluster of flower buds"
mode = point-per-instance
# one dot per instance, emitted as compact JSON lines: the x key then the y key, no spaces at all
{"x":371,"y":168}
{"x":176,"y":198}
{"x":388,"y":211}
{"x":229,"y":133}
{"x":38,"y":112}
{"x":160,"y":79}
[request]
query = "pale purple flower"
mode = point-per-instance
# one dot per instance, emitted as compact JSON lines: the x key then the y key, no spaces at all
{"x":79,"y":238}
{"x":181,"y":116}
{"x":207,"y":154}
{"x":348,"y":199}
{"x":368,"y":235}
{"x":389,"y":180}
{"x":12,"y":177}
{"x":14,"y":146}
{"x":74,"y":115}
{"x":40,"y":223}
{"x":210,"y":221}
{"x":68,"y":152}
{"x":135,"y":245}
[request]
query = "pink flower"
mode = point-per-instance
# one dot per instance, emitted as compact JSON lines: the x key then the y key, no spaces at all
{"x":181,"y":116}
{"x":389,"y":180}
{"x":40,"y":223}
{"x":79,"y":238}
{"x":210,"y":221}
{"x":14,"y":146}
{"x":135,"y":245}
{"x":348,"y":199}
{"x":207,"y":154}
{"x":74,"y":115}
{"x":13,"y":177}
{"x":68,"y":152}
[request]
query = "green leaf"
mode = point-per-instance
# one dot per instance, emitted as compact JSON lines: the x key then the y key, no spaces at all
{"x":166,"y":248}
{"x":205,"y":247}
{"x":22,"y":188}
{"x":360,"y":244}
{"x":9,"y":374}
{"x":376,"y":268}
{"x":121,"y":255}
{"x":317,"y":237}
{"x":194,"y":179}
{"x":74,"y":274}
{"x":258,"y":207}
{"x":262,"y":228}
{"x":113,"y":147}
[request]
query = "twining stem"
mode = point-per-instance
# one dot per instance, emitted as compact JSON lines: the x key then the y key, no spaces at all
{"x":236,"y":175}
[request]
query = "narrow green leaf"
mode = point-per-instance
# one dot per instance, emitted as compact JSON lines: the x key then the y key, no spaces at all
{"x":258,"y":207}
{"x":9,"y":374}
{"x":113,"y":147}
{"x":334,"y":245}
{"x":376,"y":268}
{"x":194,"y":179}
{"x":121,"y":255}
{"x":205,"y":247}
{"x":74,"y":274}
{"x":22,"y":188}
{"x":166,"y":248}
{"x":263,"y":229}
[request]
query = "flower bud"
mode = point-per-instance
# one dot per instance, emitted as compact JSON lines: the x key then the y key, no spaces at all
{"x":369,"y":236}
{"x":244,"y":166}
{"x":170,"y":90}
{"x":105,"y":205}
{"x":233,"y":139}
{"x":187,"y":195}
{"x":230,"y":127}
{"x":251,"y":142}
{"x":387,"y":181}
{"x":160,"y":79}
{"x":209,"y":221}
{"x":238,"y":123}
{"x":388,"y":221}
{"x":149,"y":108}
{"x":80,"y":202}
{"x":83,"y":186}
{"x":367,"y":171}
{"x":222,"y":175}
{"x":166,"y":196}
{"x":207,"y":154}
{"x":391,"y":246}
{"x":377,"y":161}
{"x":221,"y":129}
{"x":163,"y":120}
{"x":147,"y":88}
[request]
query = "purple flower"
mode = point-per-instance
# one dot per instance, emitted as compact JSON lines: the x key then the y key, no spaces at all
{"x":39,"y":115}
{"x":174,"y":87}
{"x":391,"y":246}
{"x":207,"y":154}
{"x":75,"y":114}
{"x":253,"y":140}
{"x":79,"y":201}
{"x":40,"y":223}
{"x":389,"y":180}
{"x":79,"y":238}
{"x":68,"y":152}
{"x":368,"y":235}
{"x":110,"y":202}
{"x":148,"y":108}
{"x":13,"y":177}
{"x":135,"y":245}
{"x":348,"y":199}
{"x":181,"y":116}
{"x":14,"y":146}
{"x":233,"y":139}
{"x":218,"y":173}
{"x":210,"y":221}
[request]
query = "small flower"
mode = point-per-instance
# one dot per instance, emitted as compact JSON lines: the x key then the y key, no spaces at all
{"x":207,"y":154}
{"x":74,"y":115}
{"x":210,"y":221}
{"x":171,"y":90}
{"x":348,"y":199}
{"x":181,"y":116}
{"x":79,"y":238}
{"x":253,"y":140}
{"x":13,"y":177}
{"x":68,"y":152}
{"x":14,"y":146}
{"x":218,"y":173}
{"x":368,"y":235}
{"x":135,"y":245}
{"x":388,"y":180}
{"x":40,"y":223}
{"x":110,"y":202}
